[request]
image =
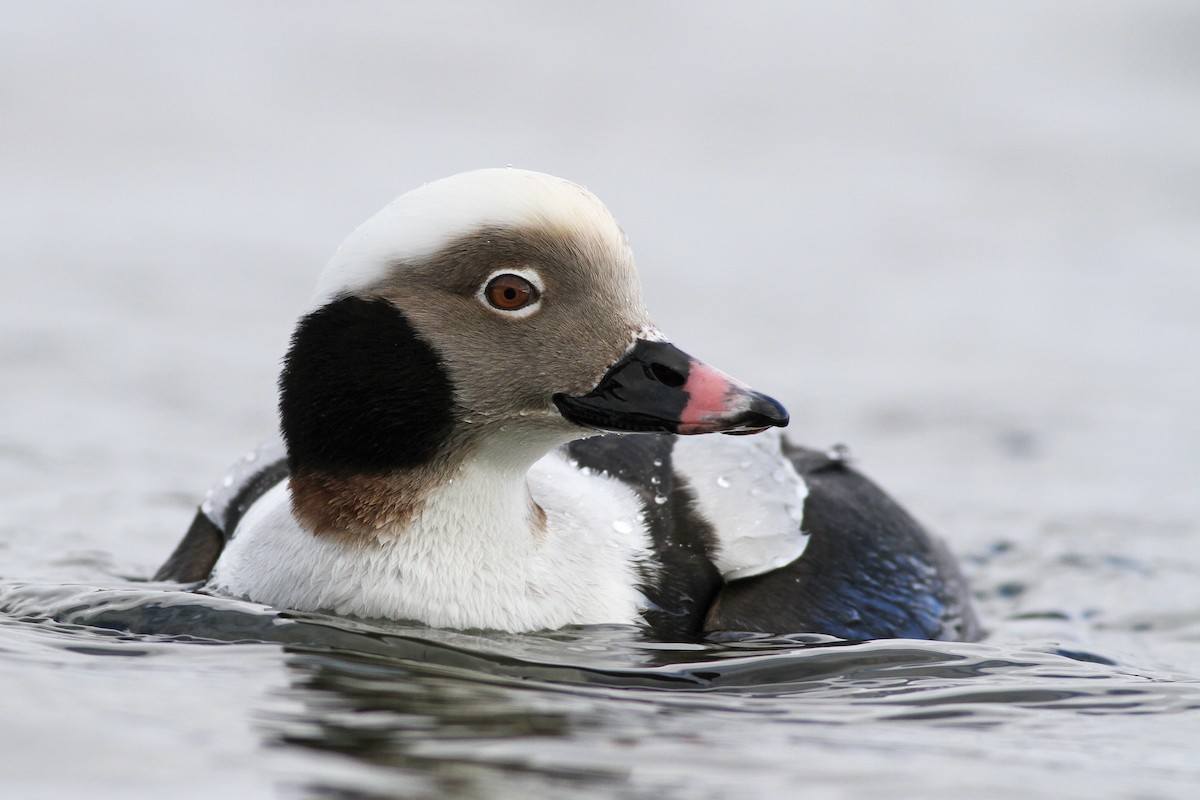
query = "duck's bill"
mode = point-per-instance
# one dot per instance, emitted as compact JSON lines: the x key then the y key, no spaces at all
{"x":657,"y":388}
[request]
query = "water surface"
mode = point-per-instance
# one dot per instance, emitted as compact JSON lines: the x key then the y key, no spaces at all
{"x":961,"y":239}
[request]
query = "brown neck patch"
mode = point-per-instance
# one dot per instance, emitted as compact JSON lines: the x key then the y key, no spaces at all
{"x":366,"y":507}
{"x":360,"y":508}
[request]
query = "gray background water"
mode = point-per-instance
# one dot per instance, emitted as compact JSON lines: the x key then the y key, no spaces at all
{"x":963,"y":238}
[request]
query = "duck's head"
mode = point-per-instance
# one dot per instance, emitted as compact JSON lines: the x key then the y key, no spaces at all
{"x":498,"y":305}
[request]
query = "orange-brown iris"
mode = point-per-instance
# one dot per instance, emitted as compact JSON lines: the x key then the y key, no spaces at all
{"x":510,"y":292}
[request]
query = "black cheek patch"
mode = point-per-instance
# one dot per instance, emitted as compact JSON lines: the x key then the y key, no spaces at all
{"x":361,"y":391}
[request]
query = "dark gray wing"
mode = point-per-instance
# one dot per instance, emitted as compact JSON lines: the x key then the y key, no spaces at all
{"x":870,"y":571}
{"x":218,"y":516}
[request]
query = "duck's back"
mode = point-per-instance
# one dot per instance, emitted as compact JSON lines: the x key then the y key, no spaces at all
{"x":727,"y":517}
{"x":870,"y":570}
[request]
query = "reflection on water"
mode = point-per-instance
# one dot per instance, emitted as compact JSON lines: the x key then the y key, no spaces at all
{"x":601,"y":710}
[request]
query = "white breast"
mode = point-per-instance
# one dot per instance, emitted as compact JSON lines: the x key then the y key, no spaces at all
{"x":469,"y":560}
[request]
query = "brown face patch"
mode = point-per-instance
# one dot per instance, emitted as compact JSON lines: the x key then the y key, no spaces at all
{"x":503,"y":365}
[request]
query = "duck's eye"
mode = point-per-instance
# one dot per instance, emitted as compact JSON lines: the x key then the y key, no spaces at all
{"x":510,"y":292}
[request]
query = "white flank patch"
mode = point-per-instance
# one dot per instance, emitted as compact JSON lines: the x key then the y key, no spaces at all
{"x":751,"y":494}
{"x":418,"y":224}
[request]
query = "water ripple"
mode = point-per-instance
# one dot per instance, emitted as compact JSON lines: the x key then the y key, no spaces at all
{"x":547,"y":710}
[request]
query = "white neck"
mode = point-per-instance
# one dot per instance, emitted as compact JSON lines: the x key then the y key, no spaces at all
{"x":484,"y":508}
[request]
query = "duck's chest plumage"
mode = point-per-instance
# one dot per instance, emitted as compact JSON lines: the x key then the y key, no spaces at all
{"x":576,"y":554}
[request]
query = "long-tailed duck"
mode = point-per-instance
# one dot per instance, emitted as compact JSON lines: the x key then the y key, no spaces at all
{"x":458,"y":410}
